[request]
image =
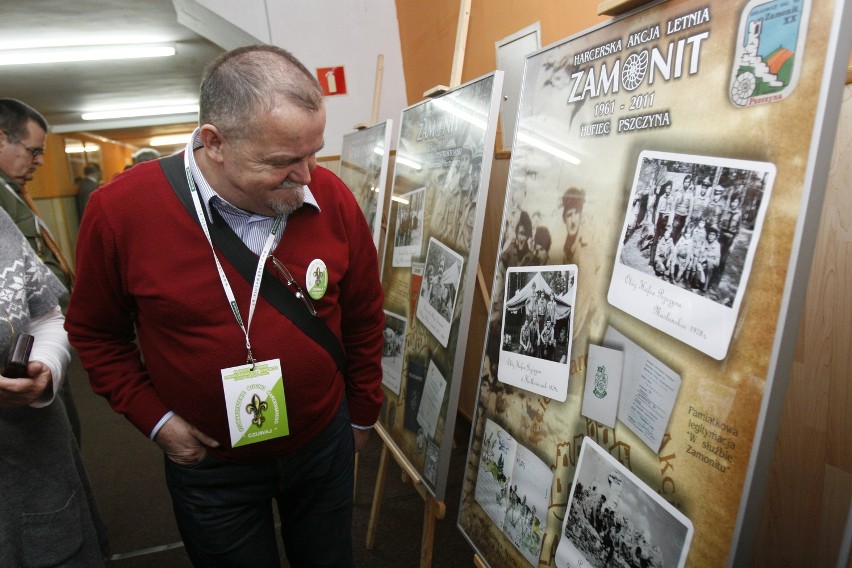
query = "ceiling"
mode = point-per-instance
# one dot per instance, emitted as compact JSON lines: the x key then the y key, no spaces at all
{"x":62,"y":92}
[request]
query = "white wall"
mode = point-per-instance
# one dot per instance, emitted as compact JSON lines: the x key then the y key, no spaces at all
{"x":330,"y":33}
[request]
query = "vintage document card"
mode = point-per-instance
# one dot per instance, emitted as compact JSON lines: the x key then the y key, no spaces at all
{"x":433,"y":399}
{"x":603,"y":385}
{"x":648,"y":391}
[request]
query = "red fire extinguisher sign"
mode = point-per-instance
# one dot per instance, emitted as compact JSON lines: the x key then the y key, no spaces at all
{"x":332,"y":80}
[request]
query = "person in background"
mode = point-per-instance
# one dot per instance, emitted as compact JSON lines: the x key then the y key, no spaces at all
{"x":252,"y":162}
{"x":662,"y":218}
{"x":729,"y":227}
{"x":87,"y":185}
{"x":518,"y":249}
{"x":48,"y":515}
{"x":144,"y":155}
{"x":23,"y":131}
{"x":540,"y":250}
{"x":663,"y":253}
{"x":709,"y":260}
{"x":573,"y":201}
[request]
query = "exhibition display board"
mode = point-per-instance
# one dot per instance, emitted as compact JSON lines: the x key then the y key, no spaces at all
{"x":364,"y":169}
{"x":440,"y":181}
{"x":666,"y":178}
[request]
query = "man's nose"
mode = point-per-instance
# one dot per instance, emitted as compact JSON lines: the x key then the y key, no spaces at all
{"x":301,"y":173}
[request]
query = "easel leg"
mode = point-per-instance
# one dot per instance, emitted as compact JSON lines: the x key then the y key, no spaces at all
{"x":355,"y":478}
{"x":430,"y":514}
{"x":377,"y":498}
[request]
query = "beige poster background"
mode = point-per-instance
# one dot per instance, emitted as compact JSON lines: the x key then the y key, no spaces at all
{"x":702,"y":464}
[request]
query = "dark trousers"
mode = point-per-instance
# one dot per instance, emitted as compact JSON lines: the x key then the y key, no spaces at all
{"x":224,"y":510}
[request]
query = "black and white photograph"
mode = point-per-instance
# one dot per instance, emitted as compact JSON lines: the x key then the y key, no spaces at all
{"x":537,"y":328}
{"x":616,"y":520}
{"x":439,"y":290}
{"x":364,"y":168}
{"x":408,"y":239}
{"x":393,"y":346}
{"x":689,"y":235}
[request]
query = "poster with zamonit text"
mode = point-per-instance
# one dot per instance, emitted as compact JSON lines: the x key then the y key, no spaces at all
{"x":437,"y":209}
{"x":674,"y":156}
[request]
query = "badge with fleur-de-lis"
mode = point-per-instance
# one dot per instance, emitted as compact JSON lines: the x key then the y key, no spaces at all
{"x":256,"y":409}
{"x":316,"y":279}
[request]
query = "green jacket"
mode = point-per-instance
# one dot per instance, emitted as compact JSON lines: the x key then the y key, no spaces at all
{"x":25,"y":220}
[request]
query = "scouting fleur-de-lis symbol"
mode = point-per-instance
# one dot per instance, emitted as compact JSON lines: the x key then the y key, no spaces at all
{"x":601,"y":380}
{"x":257,"y":407}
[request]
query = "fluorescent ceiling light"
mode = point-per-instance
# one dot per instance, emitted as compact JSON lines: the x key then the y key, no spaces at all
{"x":456,"y":109}
{"x":73,"y":53}
{"x":79,"y":148}
{"x":536,"y":142}
{"x":408,"y":162}
{"x":170,"y":139}
{"x":134,"y":112}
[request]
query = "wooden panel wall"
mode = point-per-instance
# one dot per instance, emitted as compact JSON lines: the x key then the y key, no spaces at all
{"x":810,"y":485}
{"x":427,"y":32}
{"x":54,"y":191}
{"x":52,"y":179}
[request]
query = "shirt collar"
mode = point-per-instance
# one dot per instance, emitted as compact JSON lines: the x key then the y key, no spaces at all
{"x":207,"y":193}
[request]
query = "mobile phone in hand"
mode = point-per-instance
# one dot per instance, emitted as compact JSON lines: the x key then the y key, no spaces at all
{"x":18,"y":356}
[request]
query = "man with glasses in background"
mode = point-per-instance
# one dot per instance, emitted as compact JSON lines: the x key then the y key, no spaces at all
{"x":23,"y":131}
{"x":22,"y":135}
{"x":246,"y":399}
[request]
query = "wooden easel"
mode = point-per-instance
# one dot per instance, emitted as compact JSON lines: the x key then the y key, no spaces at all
{"x":434,"y":509}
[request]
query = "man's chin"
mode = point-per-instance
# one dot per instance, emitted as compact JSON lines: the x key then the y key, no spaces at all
{"x":286,"y":203}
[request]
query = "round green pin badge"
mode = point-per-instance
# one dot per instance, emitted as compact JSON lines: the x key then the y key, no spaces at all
{"x":317,"y":279}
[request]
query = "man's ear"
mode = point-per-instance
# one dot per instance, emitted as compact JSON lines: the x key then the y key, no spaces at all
{"x":212,"y":139}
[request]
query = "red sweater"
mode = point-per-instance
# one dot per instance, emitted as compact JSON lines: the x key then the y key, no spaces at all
{"x":144,"y":265}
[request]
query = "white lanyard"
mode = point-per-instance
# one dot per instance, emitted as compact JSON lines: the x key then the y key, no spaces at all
{"x":229,"y":293}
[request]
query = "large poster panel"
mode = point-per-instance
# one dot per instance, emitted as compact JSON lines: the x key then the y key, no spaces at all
{"x":669,"y":156}
{"x":440,"y":181}
{"x":364,"y":169}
